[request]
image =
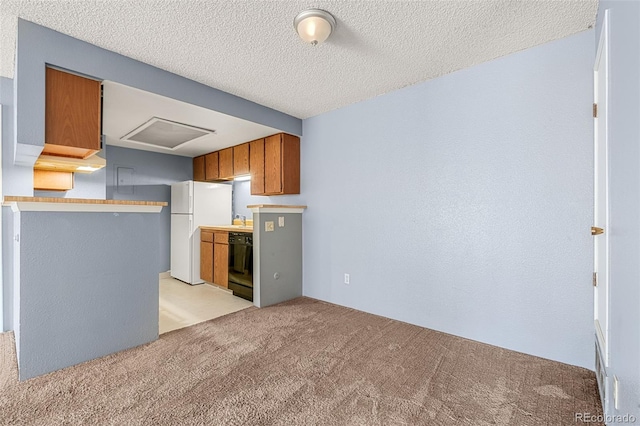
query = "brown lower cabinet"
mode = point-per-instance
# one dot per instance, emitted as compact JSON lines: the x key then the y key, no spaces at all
{"x":214,"y":257}
{"x":206,"y":256}
{"x":206,"y":261}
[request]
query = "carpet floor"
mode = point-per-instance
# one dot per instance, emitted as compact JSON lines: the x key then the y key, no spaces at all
{"x":303,"y":362}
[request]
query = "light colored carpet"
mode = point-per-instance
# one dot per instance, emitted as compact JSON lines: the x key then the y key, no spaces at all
{"x":298,"y":363}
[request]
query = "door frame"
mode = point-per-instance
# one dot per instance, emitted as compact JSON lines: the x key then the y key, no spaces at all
{"x":602,"y":336}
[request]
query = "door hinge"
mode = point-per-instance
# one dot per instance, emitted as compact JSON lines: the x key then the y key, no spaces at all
{"x":595,"y":279}
{"x":595,"y":110}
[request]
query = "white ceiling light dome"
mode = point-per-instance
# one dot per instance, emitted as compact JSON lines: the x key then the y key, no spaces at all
{"x":314,"y":25}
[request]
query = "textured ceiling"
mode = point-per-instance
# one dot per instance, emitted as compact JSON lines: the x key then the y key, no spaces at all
{"x":250,"y":49}
{"x":125,"y":109}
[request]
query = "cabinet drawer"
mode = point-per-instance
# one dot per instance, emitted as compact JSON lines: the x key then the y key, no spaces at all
{"x":206,"y":236}
{"x":221,"y":238}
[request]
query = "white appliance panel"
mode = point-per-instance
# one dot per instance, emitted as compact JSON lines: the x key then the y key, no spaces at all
{"x":212,"y":204}
{"x":182,"y":247}
{"x":182,"y":198}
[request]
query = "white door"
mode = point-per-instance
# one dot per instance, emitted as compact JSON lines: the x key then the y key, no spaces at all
{"x":601,"y":192}
{"x":181,"y":247}
{"x":181,"y":197}
{"x":212,"y":204}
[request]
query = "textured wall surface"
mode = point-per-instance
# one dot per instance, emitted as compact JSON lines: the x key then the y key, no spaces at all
{"x":7,"y":268}
{"x":278,"y":252}
{"x":37,"y":46}
{"x":624,"y":199}
{"x":16,"y":180}
{"x":88,"y":286}
{"x":463,"y":204}
{"x":85,"y":185}
{"x":153,"y":174}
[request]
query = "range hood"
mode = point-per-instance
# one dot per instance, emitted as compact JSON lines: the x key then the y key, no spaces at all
{"x":68,"y":164}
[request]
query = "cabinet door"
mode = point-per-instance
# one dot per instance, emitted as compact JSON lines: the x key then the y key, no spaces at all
{"x":256,"y":166}
{"x":47,"y":180}
{"x":206,"y":261}
{"x":72,"y":115}
{"x":211,"y":166}
{"x":241,"y":159}
{"x":221,"y":264}
{"x":290,"y":164}
{"x":226,"y":163}
{"x":198,"y":168}
{"x":273,"y":164}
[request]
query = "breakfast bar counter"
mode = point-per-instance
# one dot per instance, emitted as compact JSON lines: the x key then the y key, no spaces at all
{"x":84,"y":278}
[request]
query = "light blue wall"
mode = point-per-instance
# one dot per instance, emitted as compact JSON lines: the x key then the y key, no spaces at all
{"x":16,"y":180}
{"x":85,"y":185}
{"x":87,"y":287}
{"x":7,"y":269}
{"x":463,"y":204}
{"x":624,"y":199}
{"x":37,"y":46}
{"x":153,"y":175}
{"x":242,"y":198}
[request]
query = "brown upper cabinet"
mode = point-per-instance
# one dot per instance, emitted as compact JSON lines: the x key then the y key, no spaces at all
{"x":72,"y":115}
{"x":256,"y":166}
{"x":241,"y":159}
{"x":281,"y":164}
{"x":226,"y":163}
{"x":198,"y":168}
{"x":273,"y":162}
{"x":211,"y":170}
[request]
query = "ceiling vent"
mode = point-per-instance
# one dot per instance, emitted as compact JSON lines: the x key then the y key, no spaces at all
{"x":166,"y":134}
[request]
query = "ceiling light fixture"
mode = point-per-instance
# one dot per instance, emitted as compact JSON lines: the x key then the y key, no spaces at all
{"x":314,"y":25}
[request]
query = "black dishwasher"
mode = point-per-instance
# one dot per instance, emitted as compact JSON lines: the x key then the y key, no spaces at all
{"x":241,"y":264}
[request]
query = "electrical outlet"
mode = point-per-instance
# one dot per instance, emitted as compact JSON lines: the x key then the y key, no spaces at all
{"x":281,"y":221}
{"x":346,"y":278}
{"x":616,"y":392}
{"x":268,"y":226}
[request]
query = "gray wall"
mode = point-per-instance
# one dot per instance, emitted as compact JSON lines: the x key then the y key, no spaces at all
{"x":16,"y":180}
{"x":7,"y":269}
{"x":242,"y":197}
{"x":624,"y":199}
{"x":37,"y":46}
{"x":463,"y":204}
{"x":87,"y":288}
{"x":85,"y":185}
{"x":277,"y":252}
{"x":153,"y":175}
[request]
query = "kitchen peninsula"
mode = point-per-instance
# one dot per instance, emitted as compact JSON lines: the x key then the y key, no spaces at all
{"x":85,"y":278}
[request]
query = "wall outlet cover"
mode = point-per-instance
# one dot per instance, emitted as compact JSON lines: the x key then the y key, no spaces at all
{"x":268,"y":226}
{"x":281,"y":221}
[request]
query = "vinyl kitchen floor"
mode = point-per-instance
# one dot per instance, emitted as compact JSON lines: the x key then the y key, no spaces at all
{"x":182,"y":305}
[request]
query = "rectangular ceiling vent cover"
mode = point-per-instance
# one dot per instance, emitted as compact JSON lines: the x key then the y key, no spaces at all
{"x":165,"y":134}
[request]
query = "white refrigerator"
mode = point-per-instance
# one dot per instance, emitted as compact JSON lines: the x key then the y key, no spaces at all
{"x":194,"y":204}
